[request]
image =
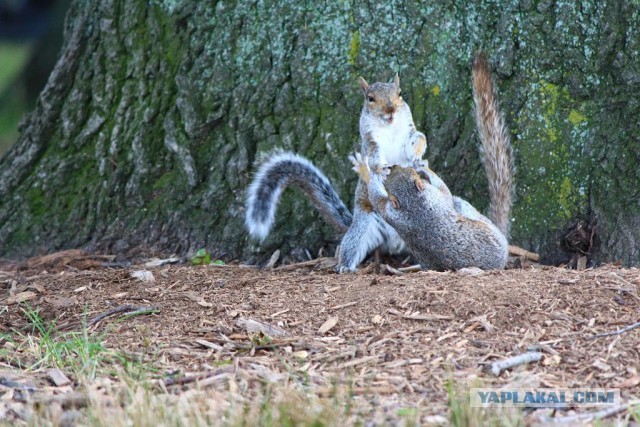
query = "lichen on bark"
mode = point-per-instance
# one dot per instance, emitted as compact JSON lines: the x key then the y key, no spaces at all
{"x":148,"y":131}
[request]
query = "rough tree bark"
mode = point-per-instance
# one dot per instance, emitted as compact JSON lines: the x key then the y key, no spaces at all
{"x":145,"y":135}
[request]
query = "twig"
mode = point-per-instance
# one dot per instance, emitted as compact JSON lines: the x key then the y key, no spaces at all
{"x":73,"y":399}
{"x":432,"y":317}
{"x":198,"y":377}
{"x":618,"y":332}
{"x":129,"y":310}
{"x":374,"y":390}
{"x":497,"y":367}
{"x":588,"y":417}
{"x":338,"y":307}
{"x":410,"y":269}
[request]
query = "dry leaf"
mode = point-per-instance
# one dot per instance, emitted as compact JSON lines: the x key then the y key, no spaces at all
{"x":377,"y":319}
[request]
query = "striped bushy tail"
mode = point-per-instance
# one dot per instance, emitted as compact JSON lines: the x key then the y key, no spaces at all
{"x":496,"y":150}
{"x":288,"y":169}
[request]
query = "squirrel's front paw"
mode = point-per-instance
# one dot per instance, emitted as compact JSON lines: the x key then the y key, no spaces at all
{"x":360,"y":166}
{"x":419,"y":145}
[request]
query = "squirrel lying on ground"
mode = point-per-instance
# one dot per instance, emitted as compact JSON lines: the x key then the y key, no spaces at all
{"x":444,"y":232}
{"x":389,"y":137}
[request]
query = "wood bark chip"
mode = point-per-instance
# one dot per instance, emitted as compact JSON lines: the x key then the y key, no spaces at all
{"x":143,"y":275}
{"x":57,"y":377}
{"x":338,"y":307}
{"x":255,"y":326}
{"x":425,"y":317}
{"x":517,"y":251}
{"x":273,"y":260}
{"x":209,"y":344}
{"x":20,"y":297}
{"x":328,"y":325}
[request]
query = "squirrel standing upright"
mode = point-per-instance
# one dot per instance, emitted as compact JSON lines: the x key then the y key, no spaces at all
{"x":389,"y":137}
{"x":444,"y":232}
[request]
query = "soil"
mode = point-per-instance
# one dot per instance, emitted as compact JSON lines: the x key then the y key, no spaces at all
{"x":399,"y":336}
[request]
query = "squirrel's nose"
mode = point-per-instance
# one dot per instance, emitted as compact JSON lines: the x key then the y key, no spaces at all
{"x":389,"y":109}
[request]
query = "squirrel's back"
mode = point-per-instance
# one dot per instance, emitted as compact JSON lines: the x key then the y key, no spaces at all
{"x":496,"y":151}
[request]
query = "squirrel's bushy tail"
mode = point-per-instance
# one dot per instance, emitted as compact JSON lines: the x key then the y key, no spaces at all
{"x":277,"y":173}
{"x":496,"y":150}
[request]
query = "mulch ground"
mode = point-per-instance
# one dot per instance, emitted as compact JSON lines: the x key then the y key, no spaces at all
{"x":401,"y":337}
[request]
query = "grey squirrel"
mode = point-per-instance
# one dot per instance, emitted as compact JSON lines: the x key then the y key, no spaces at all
{"x":388,"y":137}
{"x":444,"y":232}
{"x":366,"y":229}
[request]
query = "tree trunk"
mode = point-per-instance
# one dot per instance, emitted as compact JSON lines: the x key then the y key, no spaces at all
{"x":145,"y":136}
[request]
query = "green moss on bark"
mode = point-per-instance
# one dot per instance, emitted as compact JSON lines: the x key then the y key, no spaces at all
{"x":151,"y":140}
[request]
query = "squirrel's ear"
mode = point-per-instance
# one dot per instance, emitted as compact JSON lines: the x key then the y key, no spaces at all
{"x":364,"y":85}
{"x":396,"y":80}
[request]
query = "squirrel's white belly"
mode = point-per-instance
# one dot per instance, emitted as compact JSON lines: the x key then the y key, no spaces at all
{"x":392,"y":141}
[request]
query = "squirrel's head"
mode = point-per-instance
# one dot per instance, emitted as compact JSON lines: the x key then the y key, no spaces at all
{"x":382,"y":99}
{"x":404,"y":184}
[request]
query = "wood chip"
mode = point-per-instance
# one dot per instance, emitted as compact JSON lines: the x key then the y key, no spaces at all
{"x":630,"y":382}
{"x":20,"y":297}
{"x":57,"y":377}
{"x":278,"y":313}
{"x":425,"y":317}
{"x":517,"y":251}
{"x":209,"y":344}
{"x":327,"y":325}
{"x":143,"y":275}
{"x":338,"y":307}
{"x":255,"y":326}
{"x":161,"y":262}
{"x":273,"y":260}
{"x":411,"y":269}
{"x":359,"y":361}
{"x":581,"y":264}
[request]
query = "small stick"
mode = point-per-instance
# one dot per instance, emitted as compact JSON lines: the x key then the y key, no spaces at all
{"x":431,"y":317}
{"x":130,"y":310}
{"x":410,"y":269}
{"x":618,"y":332}
{"x":338,"y":307}
{"x":198,"y":377}
{"x":376,"y":262}
{"x":588,"y":417}
{"x":497,"y":367}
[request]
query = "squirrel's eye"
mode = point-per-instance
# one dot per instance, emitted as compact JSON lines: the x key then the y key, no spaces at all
{"x":371,"y":98}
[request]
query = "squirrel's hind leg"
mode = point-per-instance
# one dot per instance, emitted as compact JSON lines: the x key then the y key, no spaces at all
{"x":367,"y":232}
